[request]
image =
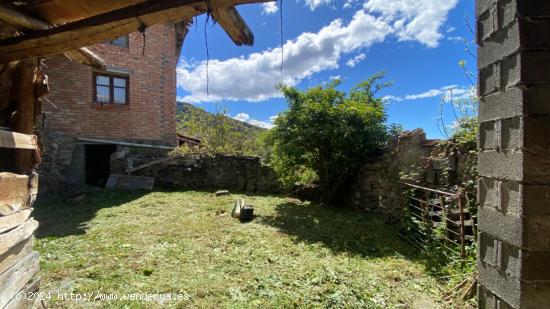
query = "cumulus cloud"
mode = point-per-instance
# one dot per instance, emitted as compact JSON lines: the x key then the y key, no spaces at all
{"x":313,"y":4}
{"x":269,"y":8}
{"x":254,"y":77}
{"x":447,"y":94}
{"x":246,"y":118}
{"x":355,"y":60}
{"x":418,"y":20}
{"x":348,"y":4}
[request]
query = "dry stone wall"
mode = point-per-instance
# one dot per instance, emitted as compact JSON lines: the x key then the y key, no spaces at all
{"x":235,"y":173}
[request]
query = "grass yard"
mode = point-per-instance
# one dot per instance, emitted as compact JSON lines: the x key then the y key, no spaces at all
{"x":292,"y":255}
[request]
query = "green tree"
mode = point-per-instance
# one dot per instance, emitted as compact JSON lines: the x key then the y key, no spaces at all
{"x":219,"y":134}
{"x":326,"y":133}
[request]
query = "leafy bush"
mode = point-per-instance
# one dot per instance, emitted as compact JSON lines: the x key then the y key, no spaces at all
{"x":325,"y":134}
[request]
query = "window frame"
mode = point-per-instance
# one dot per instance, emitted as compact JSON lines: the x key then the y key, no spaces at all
{"x":112,"y":87}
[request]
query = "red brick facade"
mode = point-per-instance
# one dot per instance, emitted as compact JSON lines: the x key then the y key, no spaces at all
{"x":150,"y":114}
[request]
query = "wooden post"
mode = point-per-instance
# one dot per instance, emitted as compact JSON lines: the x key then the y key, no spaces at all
{"x":24,"y":119}
{"x":462,"y":237}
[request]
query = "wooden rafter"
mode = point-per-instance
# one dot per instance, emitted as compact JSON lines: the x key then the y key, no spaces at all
{"x":20,"y":20}
{"x":122,"y":21}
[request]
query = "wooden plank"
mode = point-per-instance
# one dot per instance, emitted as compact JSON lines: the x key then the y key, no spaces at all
{"x":102,"y":27}
{"x":14,"y":193}
{"x":234,"y":25}
{"x":15,"y":278}
{"x":14,"y":220}
{"x":33,"y":188}
{"x":16,"y":140}
{"x":29,"y":302}
{"x":106,"y":141}
{"x":24,"y":118}
{"x":126,"y":182}
{"x":155,"y":162}
{"x":20,"y":20}
{"x":17,"y":235}
{"x":15,"y":254}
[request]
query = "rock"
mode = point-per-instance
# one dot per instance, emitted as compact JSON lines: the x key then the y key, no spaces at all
{"x":221,"y":192}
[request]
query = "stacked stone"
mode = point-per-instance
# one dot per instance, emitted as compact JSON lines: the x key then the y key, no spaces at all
{"x":514,"y":158}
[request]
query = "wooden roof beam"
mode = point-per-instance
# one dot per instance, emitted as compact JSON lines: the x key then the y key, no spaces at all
{"x":234,"y":25}
{"x":20,"y":20}
{"x":109,"y":26}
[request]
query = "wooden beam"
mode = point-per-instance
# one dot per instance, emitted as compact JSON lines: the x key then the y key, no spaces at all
{"x":15,"y":254}
{"x":17,"y":235}
{"x":19,"y":19}
{"x":82,"y":55}
{"x":15,"y":278}
{"x":234,"y":25}
{"x":106,"y":141}
{"x":10,"y":139}
{"x":101,"y":27}
{"x":27,"y":302}
{"x":14,"y":193}
{"x":14,"y":220}
{"x":25,"y":107}
{"x":85,"y":56}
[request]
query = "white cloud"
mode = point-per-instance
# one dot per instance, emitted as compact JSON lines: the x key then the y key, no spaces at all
{"x":348,"y":4}
{"x":456,"y":39}
{"x":447,"y":94}
{"x":355,"y":60}
{"x":418,"y":20}
{"x":269,"y":8}
{"x":254,"y":77}
{"x":313,"y":4}
{"x":246,"y":118}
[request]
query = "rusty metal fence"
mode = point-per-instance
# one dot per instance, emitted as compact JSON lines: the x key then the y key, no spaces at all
{"x":439,"y":215}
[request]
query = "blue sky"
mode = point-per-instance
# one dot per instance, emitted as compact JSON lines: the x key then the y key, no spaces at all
{"x":417,"y":43}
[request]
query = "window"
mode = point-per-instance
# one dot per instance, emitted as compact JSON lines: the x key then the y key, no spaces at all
{"x":120,"y":42}
{"x":110,"y":89}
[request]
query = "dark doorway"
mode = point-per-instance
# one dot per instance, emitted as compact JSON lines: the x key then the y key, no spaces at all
{"x":98,"y":162}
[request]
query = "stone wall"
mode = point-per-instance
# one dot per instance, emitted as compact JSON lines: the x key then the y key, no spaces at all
{"x":235,"y":173}
{"x":411,"y":157}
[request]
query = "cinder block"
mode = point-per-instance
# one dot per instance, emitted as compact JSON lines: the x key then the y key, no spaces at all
{"x":502,"y":104}
{"x":535,"y":266}
{"x":501,"y":165}
{"x":508,"y":227}
{"x":487,"y":136}
{"x":535,"y":294}
{"x":535,"y":199}
{"x":533,"y":8}
{"x":502,"y":44}
{"x":536,"y":235}
{"x":511,"y":133}
{"x":507,"y":289}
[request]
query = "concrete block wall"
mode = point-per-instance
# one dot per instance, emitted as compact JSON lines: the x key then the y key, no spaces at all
{"x":514,"y":158}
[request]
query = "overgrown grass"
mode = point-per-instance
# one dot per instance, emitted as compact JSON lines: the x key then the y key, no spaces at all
{"x":292,"y":255}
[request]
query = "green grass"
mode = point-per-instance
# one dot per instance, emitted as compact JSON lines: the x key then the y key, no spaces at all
{"x":292,"y":255}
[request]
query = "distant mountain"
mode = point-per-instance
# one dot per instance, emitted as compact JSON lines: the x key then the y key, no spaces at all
{"x":190,"y":109}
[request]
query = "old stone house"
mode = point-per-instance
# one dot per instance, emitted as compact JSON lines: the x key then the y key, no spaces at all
{"x":89,"y":110}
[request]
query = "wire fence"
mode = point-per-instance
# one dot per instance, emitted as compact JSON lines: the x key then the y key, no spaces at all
{"x":439,"y":215}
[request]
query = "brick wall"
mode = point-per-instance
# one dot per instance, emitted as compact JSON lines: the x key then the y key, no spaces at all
{"x":149,"y":117}
{"x":150,"y":113}
{"x":514,"y":164}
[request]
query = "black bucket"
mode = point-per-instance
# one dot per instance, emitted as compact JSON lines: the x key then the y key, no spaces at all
{"x":247,"y":213}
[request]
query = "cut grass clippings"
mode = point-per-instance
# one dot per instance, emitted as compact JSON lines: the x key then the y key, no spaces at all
{"x":293,"y":254}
